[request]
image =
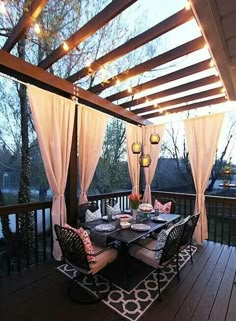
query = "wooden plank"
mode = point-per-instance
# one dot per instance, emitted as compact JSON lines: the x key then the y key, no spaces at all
{"x":184,"y":99}
{"x":174,"y":90}
{"x":219,"y":309}
{"x":168,"y":24}
{"x":205,"y":103}
{"x":206,"y":302}
{"x":207,"y":15}
{"x":174,"y":296}
{"x":186,"y":311}
{"x":101,"y":19}
{"x":27,"y":72}
{"x":184,"y":72}
{"x":24,"y":23}
{"x":168,"y":56}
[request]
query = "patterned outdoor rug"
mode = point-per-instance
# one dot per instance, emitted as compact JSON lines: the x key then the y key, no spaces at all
{"x":132,"y":304}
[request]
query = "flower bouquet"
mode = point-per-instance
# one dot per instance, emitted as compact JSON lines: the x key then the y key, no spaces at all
{"x":134,"y":200}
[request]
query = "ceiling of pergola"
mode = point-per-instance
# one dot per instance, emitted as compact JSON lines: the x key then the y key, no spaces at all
{"x":177,"y":87}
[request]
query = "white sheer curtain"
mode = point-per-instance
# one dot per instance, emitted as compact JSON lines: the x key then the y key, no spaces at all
{"x":133,"y":134}
{"x":202,"y":136}
{"x":53,"y":118}
{"x":92,"y":130}
{"x":154,"y":152}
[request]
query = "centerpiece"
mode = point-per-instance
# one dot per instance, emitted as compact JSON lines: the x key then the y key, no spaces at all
{"x":134,"y":201}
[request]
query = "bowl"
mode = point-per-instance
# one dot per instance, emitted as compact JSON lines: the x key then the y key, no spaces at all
{"x":124,"y":217}
{"x":124,"y":225}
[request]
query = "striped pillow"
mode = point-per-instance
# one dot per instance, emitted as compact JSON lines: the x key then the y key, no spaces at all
{"x":162,"y":208}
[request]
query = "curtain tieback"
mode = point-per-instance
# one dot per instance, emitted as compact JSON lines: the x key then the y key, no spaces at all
{"x":58,"y":195}
{"x":83,"y":193}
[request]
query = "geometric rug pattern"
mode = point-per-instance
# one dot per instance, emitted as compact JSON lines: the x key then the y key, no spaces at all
{"x":132,"y":304}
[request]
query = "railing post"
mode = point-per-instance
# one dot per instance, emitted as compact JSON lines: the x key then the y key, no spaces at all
{"x":71,"y":186}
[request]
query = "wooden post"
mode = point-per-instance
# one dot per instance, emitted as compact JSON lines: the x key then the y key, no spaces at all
{"x":71,"y":186}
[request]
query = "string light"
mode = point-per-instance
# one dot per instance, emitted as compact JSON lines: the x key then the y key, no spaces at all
{"x":130,"y":90}
{"x":117,"y":81}
{"x":212,"y":63}
{"x":37,"y":28}
{"x":65,"y":46}
{"x":2,"y":7}
{"x":187,"y":5}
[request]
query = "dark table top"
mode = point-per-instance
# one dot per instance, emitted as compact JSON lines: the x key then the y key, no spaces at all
{"x":129,"y":235}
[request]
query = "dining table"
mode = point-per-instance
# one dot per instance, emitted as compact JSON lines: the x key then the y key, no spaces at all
{"x":124,"y":238}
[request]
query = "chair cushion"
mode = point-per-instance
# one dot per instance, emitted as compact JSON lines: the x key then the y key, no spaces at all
{"x":105,"y":257}
{"x":162,"y":208}
{"x":92,"y":216}
{"x":113,"y":210}
{"x":88,"y":247}
{"x":144,"y":255}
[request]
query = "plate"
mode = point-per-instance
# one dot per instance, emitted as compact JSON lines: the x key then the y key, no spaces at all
{"x":105,"y":227}
{"x":124,"y":217}
{"x":140,"y":227}
{"x":150,"y":212}
{"x":158,"y":219}
{"x":105,"y":217}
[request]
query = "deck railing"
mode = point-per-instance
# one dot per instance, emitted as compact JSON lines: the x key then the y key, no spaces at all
{"x":25,"y":236}
{"x":20,"y":250}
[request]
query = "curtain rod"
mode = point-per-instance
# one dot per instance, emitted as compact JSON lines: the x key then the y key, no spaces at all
{"x":14,"y":79}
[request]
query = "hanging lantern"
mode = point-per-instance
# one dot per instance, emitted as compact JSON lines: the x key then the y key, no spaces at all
{"x":154,"y":138}
{"x":136,"y":148}
{"x":145,"y":160}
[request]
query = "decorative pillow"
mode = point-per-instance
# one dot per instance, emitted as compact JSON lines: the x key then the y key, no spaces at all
{"x":92,"y":216}
{"x":161,"y":240}
{"x":113,"y":210}
{"x":86,"y":241}
{"x":162,"y":208}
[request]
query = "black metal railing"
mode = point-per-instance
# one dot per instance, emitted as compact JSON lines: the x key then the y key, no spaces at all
{"x":25,"y":245}
{"x":26,"y":231}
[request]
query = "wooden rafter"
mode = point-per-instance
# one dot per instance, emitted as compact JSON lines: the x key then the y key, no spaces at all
{"x":97,"y":22}
{"x":168,"y":56}
{"x":24,"y":23}
{"x":201,"y":66}
{"x":185,"y":99}
{"x":170,"y":23}
{"x":204,"y":103}
{"x":27,"y":72}
{"x":174,"y":90}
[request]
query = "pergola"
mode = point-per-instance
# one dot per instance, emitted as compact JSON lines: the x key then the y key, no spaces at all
{"x":214,"y":19}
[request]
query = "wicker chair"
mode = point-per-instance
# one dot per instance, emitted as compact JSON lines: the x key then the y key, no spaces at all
{"x":74,"y":255}
{"x":144,"y":251}
{"x":186,"y":240}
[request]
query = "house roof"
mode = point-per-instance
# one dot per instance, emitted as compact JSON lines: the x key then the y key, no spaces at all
{"x":183,"y":88}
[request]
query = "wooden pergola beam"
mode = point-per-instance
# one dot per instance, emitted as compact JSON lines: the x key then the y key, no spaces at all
{"x":24,"y":23}
{"x":184,"y":72}
{"x":96,"y":23}
{"x":168,"y":56}
{"x":204,"y":103}
{"x":170,"y":23}
{"x":185,"y":99}
{"x":27,"y":72}
{"x":174,"y":90}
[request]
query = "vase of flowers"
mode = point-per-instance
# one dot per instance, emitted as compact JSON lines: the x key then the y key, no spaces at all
{"x":134,"y":201}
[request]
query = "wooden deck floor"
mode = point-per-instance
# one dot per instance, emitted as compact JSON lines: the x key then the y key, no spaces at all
{"x":206,"y":292}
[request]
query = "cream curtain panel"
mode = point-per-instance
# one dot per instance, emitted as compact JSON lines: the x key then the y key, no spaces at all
{"x":133,"y":134}
{"x":202,"y":136}
{"x":92,"y":130}
{"x":154,"y":152}
{"x":53,"y":118}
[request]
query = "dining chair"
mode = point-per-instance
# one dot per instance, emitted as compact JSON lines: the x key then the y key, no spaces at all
{"x":73,"y":253}
{"x":187,"y":236}
{"x":146,"y":249}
